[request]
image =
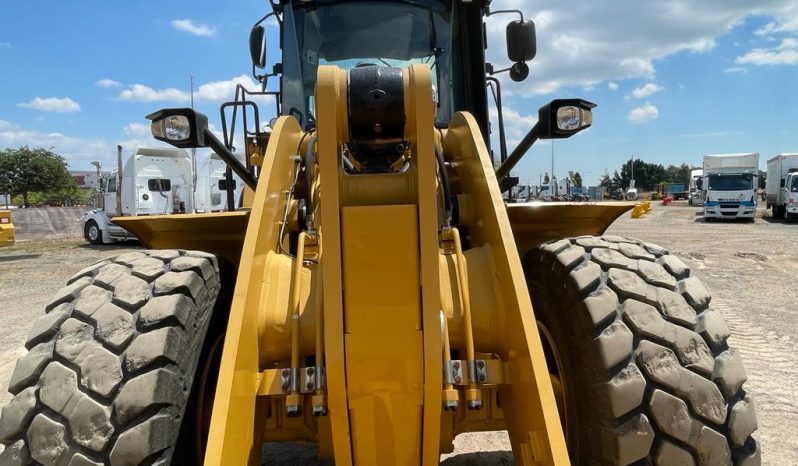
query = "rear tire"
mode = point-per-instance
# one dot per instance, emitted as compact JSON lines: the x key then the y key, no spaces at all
{"x":648,"y":374}
{"x":92,"y":233}
{"x":112,"y":363}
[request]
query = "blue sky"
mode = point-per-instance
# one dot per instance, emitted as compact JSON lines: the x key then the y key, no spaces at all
{"x":673,"y":80}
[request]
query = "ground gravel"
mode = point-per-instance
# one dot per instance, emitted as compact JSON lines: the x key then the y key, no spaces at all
{"x":750,"y":269}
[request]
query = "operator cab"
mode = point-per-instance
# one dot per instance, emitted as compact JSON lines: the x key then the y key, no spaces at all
{"x":448,"y":36}
{"x":376,"y":41}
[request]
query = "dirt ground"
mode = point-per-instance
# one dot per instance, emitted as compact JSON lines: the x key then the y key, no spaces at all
{"x":750,"y":269}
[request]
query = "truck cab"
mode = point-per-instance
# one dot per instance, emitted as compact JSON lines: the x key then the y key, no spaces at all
{"x":790,"y":196}
{"x":730,"y":183}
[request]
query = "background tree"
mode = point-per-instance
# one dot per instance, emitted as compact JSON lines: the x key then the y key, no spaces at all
{"x":577,"y":179}
{"x":546,"y":178}
{"x":607,"y":182}
{"x":26,"y":170}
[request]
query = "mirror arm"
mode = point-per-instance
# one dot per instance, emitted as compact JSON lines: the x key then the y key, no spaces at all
{"x":497,"y":12}
{"x":523,"y":147}
{"x":224,"y":153}
{"x":497,"y":96}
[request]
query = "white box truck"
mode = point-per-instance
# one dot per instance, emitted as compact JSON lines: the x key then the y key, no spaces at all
{"x":730,"y":182}
{"x":781,"y":187}
{"x":154,"y":181}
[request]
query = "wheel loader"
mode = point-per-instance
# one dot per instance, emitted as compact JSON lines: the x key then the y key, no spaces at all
{"x":371,"y":295}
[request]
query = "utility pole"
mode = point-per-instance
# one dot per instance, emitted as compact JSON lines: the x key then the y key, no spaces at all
{"x":98,"y":197}
{"x":193,"y":190}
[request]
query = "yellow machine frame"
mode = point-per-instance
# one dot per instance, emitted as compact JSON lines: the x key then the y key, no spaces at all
{"x":346,"y":343}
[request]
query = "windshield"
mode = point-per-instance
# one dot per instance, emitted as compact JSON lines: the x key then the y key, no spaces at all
{"x":362,"y":33}
{"x":794,"y":186}
{"x":731,"y":183}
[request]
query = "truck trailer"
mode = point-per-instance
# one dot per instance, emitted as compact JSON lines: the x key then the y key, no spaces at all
{"x":730,"y":182}
{"x":781,"y":186}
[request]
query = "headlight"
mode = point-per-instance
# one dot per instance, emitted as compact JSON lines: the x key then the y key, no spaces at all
{"x":180,"y":127}
{"x":173,"y":128}
{"x":571,"y":118}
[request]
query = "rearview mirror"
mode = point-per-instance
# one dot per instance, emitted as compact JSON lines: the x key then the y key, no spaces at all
{"x":257,"y":46}
{"x":521,"y":41}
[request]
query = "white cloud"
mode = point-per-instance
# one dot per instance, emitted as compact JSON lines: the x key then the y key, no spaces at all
{"x":137,"y":129}
{"x":73,"y":149}
{"x":107,"y":83}
{"x":643,"y":114}
{"x":193,"y":27}
{"x":516,"y":125}
{"x":214,"y":91}
{"x":647,"y":90}
{"x":736,"y":69}
{"x":142,"y":93}
{"x":613,"y":86}
{"x":592,"y":43}
{"x":5,"y":45}
{"x":785,"y":53}
{"x":767,"y":29}
{"x":52,"y":104}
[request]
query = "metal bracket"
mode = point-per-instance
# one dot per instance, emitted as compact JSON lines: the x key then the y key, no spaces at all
{"x":313,"y":378}
{"x":454,"y":374}
{"x":479,"y":371}
{"x":305,"y":380}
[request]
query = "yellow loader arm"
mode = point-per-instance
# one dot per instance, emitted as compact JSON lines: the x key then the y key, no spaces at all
{"x":380,"y":300}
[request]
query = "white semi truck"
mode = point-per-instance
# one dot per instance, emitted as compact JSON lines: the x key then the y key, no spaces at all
{"x":781,"y":187}
{"x":212,"y":183}
{"x":730,"y":182}
{"x":153,"y":181}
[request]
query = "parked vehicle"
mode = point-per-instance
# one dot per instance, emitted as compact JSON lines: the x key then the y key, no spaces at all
{"x":781,"y":186}
{"x":154,"y":181}
{"x":212,"y":183}
{"x":730,"y":181}
{"x":696,"y":194}
{"x":7,"y":231}
{"x":676,"y":191}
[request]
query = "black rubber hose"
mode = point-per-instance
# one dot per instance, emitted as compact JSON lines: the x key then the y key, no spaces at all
{"x":310,"y":157}
{"x":447,"y":193}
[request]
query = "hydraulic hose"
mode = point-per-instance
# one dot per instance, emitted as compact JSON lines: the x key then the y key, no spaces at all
{"x":310,"y":158}
{"x":447,"y":194}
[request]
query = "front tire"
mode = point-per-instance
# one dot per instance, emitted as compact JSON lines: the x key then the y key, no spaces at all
{"x":647,"y":373}
{"x":92,"y":233}
{"x":111,"y":365}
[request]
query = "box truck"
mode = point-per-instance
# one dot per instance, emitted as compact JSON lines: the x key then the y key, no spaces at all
{"x":730,"y":182}
{"x":781,"y":187}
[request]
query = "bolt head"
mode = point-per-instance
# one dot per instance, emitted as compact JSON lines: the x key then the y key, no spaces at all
{"x":458,"y":379}
{"x":310,"y":371}
{"x":474,"y":404}
{"x":286,"y":373}
{"x":310,"y":385}
{"x":456,"y":365}
{"x":292,"y":411}
{"x":483,"y":378}
{"x":481,"y":364}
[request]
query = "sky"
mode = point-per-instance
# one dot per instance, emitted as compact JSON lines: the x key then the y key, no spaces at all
{"x":673,"y":80}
